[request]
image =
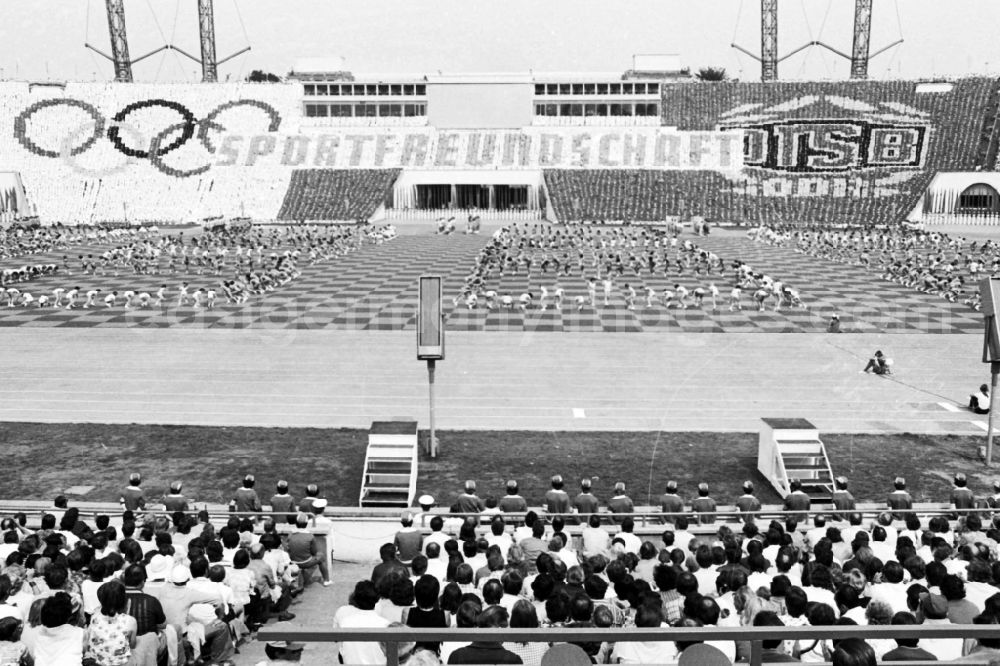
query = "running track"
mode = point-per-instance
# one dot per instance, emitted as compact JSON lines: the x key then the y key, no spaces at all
{"x":544,"y":381}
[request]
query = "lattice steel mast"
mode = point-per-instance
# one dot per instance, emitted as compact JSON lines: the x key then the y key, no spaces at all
{"x":119,"y":40}
{"x":206,"y":29}
{"x":862,"y":38}
{"x":768,"y":40}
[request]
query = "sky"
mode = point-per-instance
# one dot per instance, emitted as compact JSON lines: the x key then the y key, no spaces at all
{"x":43,"y":39}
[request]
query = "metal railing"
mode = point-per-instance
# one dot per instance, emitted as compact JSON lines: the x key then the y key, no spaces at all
{"x":392,"y":637}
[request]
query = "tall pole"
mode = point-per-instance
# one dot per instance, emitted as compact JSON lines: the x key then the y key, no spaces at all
{"x":206,"y":28}
{"x":119,"y":40}
{"x":994,"y":371}
{"x":768,"y":40}
{"x":432,"y":442}
{"x":862,"y":38}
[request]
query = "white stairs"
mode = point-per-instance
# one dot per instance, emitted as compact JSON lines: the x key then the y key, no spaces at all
{"x":792,"y":449}
{"x":390,"y":472}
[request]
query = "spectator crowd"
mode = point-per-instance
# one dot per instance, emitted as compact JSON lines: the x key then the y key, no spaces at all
{"x":556,"y":568}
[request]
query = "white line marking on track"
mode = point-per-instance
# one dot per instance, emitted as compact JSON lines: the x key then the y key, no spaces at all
{"x":984,"y":427}
{"x":578,"y":413}
{"x":950,"y":407}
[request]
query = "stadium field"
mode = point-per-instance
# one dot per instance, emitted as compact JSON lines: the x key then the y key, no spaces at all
{"x":333,"y":458}
{"x":375,"y":288}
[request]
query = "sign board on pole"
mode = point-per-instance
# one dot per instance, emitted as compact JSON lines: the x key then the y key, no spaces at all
{"x":430,"y":323}
{"x":989,"y":295}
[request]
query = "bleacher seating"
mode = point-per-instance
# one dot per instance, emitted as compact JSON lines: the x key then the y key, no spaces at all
{"x":336,"y":194}
{"x":955,"y":121}
{"x":99,"y":183}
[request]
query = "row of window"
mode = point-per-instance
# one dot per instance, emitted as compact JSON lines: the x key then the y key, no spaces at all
{"x":630,"y":88}
{"x":366,"y":89}
{"x":641,"y":109}
{"x":365,"y":110}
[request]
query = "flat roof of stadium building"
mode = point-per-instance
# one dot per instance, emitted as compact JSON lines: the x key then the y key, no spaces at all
{"x":483,"y":77}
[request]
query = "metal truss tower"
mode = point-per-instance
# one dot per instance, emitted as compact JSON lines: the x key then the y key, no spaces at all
{"x":206,"y":28}
{"x":862,"y":38}
{"x":768,"y":40}
{"x":119,"y":41}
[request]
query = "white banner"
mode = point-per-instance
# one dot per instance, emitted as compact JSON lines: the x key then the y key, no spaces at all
{"x":530,"y":148}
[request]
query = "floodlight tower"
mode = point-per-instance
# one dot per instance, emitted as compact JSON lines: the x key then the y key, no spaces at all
{"x":206,"y":28}
{"x":768,"y":40}
{"x":119,"y":40}
{"x":862,"y":38}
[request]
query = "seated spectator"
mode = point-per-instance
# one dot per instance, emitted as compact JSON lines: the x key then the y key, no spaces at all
{"x":773,"y":650}
{"x":907,"y":649}
{"x":853,"y":652}
{"x":878,"y":364}
{"x":361,"y":615}
{"x":408,"y":541}
{"x":980,"y":402}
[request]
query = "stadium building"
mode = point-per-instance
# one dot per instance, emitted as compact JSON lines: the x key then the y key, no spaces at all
{"x":647,"y":145}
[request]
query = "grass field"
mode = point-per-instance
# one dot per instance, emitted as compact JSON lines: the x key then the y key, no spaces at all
{"x":45,"y":459}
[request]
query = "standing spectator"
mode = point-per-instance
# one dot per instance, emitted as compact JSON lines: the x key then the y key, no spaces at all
{"x":312,"y":493}
{"x":842,"y":498}
{"x":132,"y":498}
{"x":620,"y":503}
{"x":556,"y":499}
{"x":797,"y":500}
{"x":112,"y":633}
{"x":303,"y":552}
{"x":961,"y":496}
{"x":409,"y":541}
{"x":468,"y":501}
{"x":585,"y":502}
{"x":670,"y":502}
{"x":246,"y":500}
{"x":175,"y":500}
{"x":899,"y":500}
{"x":748,"y":501}
{"x":283,"y":503}
{"x":703,"y":506}
{"x":512,"y":502}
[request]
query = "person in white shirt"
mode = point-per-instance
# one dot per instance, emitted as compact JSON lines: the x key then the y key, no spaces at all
{"x":596,"y":539}
{"x":436,"y":565}
{"x":632,"y":542}
{"x":364,"y":617}
{"x":498,"y":537}
{"x":892,"y":589}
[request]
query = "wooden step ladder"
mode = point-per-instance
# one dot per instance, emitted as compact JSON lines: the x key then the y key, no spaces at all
{"x":390,"y":471}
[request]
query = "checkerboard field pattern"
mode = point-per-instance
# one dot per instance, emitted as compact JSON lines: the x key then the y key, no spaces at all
{"x":376,"y":289}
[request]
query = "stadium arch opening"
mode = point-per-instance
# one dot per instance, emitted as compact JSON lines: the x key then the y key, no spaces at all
{"x":514,"y":195}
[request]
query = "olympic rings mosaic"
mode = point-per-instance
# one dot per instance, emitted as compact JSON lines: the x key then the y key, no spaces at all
{"x":189,"y":127}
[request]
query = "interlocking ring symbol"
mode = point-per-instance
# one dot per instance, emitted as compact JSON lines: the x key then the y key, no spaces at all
{"x":188,"y":128}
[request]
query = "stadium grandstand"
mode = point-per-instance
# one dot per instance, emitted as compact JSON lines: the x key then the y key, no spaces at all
{"x":562,"y":148}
